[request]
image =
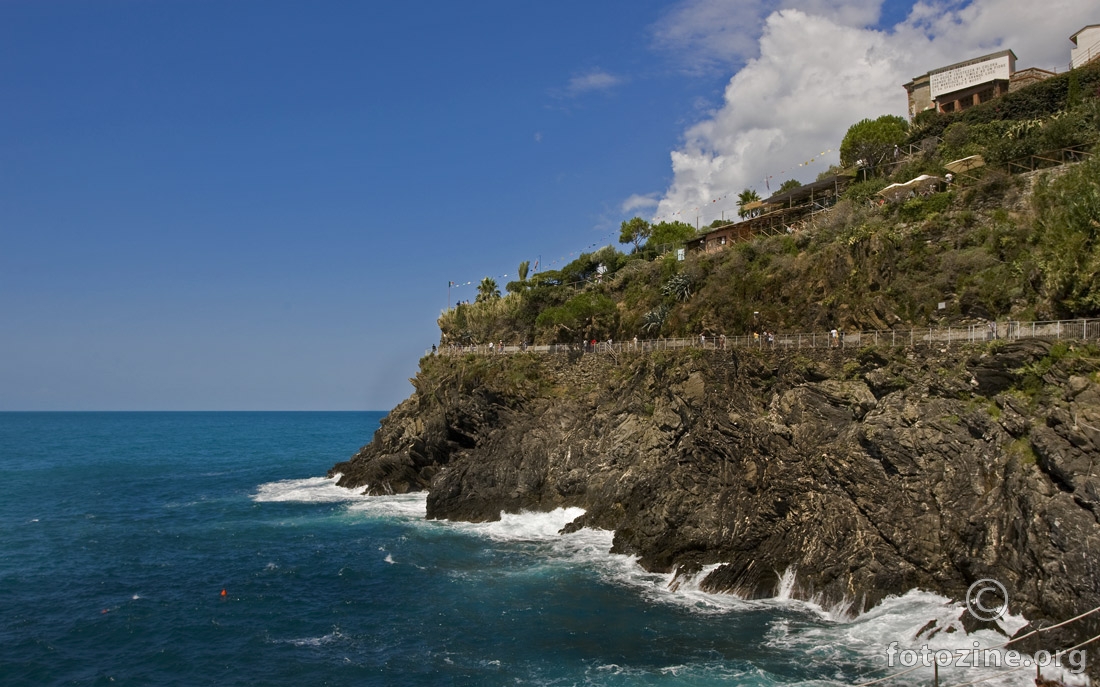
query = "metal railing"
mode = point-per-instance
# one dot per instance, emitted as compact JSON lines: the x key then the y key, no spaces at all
{"x":1062,"y":156}
{"x":1083,"y":55}
{"x":1011,"y":330}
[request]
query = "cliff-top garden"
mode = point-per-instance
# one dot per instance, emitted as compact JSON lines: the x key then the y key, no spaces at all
{"x":1000,"y":241}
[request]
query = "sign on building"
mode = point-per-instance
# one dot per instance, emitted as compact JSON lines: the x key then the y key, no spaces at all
{"x":978,"y":72}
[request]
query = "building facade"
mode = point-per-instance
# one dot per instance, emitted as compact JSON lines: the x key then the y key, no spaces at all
{"x":1086,"y":46}
{"x":963,"y":84}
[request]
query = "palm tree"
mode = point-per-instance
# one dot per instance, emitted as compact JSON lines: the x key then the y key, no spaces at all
{"x":744,"y":198}
{"x":487,"y":290}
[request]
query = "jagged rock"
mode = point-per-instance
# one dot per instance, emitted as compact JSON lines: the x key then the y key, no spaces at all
{"x":908,"y":476}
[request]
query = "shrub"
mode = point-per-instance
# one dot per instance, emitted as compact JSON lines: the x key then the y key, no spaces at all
{"x":1068,"y":221}
{"x":922,"y":207}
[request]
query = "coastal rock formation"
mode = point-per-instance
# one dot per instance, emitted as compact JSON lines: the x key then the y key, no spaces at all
{"x":869,"y":473}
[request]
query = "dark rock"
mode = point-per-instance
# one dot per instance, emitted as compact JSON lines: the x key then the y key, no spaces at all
{"x":761,"y":463}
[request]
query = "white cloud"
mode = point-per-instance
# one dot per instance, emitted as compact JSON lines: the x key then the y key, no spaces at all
{"x":637,"y":202}
{"x":706,"y":33}
{"x":818,"y":70}
{"x":594,"y":80}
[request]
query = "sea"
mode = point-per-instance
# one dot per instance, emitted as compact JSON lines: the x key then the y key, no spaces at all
{"x":209,"y":548}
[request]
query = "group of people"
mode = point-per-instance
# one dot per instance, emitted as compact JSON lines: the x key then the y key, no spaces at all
{"x":764,"y":338}
{"x":716,"y":340}
{"x":494,"y":347}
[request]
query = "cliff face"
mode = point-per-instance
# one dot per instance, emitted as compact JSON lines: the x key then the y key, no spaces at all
{"x":870,"y":474}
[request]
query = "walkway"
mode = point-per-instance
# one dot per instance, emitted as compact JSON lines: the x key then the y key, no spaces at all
{"x":1071,"y":330}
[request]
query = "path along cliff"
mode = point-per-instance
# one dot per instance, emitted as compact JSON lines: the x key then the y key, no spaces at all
{"x":869,"y":475}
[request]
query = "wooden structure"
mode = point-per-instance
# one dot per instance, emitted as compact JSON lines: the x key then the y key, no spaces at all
{"x":783,"y":213}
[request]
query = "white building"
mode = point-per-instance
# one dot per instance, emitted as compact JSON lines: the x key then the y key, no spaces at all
{"x":1086,"y":46}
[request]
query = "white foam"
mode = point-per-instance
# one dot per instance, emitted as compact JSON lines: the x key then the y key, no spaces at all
{"x":827,"y":635}
{"x":786,"y":584}
{"x":317,"y":641}
{"x":403,"y":506}
{"x":865,"y":639}
{"x":525,"y":526}
{"x":309,"y":490}
{"x":324,"y":490}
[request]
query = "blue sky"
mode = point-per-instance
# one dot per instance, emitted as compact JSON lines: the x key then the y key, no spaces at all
{"x":257,"y":204}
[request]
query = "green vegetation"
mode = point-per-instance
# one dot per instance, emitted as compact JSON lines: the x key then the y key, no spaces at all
{"x":872,"y":140}
{"x":998,"y":244}
{"x":636,"y":231}
{"x":487,"y":290}
{"x":744,"y":198}
{"x":789,"y":185}
{"x":668,"y":234}
{"x":1022,"y":451}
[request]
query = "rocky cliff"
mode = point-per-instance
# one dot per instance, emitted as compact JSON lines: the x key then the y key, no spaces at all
{"x":869,"y":473}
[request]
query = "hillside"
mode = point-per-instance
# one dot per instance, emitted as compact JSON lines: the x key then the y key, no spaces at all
{"x":996,"y":244}
{"x":865,"y":470}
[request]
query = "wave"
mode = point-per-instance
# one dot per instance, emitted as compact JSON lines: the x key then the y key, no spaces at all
{"x":309,"y":490}
{"x":856,"y":643}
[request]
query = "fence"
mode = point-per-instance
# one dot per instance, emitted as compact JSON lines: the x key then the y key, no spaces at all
{"x":1052,"y":158}
{"x":1012,"y":330}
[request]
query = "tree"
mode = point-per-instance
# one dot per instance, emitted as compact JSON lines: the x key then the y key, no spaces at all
{"x":670,"y":233}
{"x":520,"y":285}
{"x":744,"y":198}
{"x":487,"y":290}
{"x":789,"y":185}
{"x":634,"y":231}
{"x":1073,"y":90}
{"x":872,"y":140}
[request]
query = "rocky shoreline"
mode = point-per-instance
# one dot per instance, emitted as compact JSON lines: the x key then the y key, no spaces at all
{"x":869,"y":475}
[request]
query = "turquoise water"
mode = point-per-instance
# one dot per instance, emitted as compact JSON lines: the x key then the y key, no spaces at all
{"x":119,"y":531}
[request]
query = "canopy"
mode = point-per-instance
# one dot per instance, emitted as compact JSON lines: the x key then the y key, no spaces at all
{"x":754,"y":205}
{"x":924,"y":180}
{"x":965,"y":164}
{"x":835,"y":183}
{"x":894,"y":191}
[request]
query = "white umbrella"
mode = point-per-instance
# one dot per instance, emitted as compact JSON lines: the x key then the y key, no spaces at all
{"x":965,"y":164}
{"x":894,"y":190}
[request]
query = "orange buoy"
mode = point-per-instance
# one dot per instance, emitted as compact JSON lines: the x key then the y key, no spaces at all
{"x":223,"y":592}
